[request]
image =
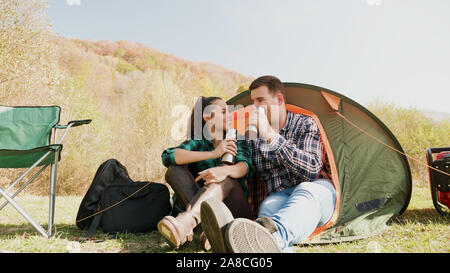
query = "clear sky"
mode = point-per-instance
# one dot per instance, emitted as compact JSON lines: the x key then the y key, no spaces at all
{"x":394,"y":50}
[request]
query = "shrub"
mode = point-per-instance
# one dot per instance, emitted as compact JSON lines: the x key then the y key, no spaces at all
{"x":125,"y":67}
{"x":26,"y":55}
{"x":415,"y":131}
{"x":127,"y":89}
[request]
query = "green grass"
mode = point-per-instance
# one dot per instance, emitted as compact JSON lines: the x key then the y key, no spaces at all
{"x":419,"y":229}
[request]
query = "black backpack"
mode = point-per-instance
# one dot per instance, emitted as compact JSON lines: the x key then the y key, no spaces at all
{"x":124,"y":205}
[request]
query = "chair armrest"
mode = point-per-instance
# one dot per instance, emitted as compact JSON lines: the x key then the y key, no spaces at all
{"x":74,"y":123}
{"x":80,"y":122}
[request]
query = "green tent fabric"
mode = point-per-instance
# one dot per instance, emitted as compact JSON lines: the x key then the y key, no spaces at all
{"x":25,"y":135}
{"x":374,"y":181}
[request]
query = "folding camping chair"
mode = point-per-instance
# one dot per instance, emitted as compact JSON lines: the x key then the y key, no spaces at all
{"x":26,"y":142}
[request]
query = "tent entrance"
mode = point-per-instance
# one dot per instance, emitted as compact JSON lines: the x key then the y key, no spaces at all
{"x":240,"y":118}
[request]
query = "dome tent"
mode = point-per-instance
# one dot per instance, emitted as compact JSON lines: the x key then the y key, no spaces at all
{"x":373,"y":182}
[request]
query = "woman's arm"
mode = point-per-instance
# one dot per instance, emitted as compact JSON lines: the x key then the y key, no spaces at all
{"x":168,"y":156}
{"x":237,"y":170}
{"x":182,"y":156}
{"x":192,"y":151}
{"x":218,"y":174}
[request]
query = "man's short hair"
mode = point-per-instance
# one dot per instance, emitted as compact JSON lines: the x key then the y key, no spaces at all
{"x":274,"y":84}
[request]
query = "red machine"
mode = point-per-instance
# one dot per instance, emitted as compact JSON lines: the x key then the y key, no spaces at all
{"x":440,"y":182}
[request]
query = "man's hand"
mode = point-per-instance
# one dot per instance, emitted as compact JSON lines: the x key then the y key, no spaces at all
{"x":213,"y":175}
{"x":262,"y":123}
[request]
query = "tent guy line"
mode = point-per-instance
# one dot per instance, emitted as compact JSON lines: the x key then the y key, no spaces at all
{"x":390,"y":147}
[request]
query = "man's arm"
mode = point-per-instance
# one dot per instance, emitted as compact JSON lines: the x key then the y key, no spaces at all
{"x":304,"y":158}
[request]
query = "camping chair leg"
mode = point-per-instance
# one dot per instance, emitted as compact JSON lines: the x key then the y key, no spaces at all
{"x":27,"y":171}
{"x":23,"y":186}
{"x":10,"y":200}
{"x":51,"y":214}
{"x":24,"y":214}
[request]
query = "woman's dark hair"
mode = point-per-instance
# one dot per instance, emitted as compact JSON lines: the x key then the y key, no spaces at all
{"x":195,"y":131}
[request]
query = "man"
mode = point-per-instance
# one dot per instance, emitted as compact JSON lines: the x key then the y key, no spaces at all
{"x":288,"y":157}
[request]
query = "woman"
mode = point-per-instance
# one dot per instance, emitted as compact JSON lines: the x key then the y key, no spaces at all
{"x":195,"y":171}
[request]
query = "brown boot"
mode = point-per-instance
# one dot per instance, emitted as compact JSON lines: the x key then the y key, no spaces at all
{"x":179,"y":230}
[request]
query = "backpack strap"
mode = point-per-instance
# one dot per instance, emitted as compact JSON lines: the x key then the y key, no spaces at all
{"x":92,"y":228}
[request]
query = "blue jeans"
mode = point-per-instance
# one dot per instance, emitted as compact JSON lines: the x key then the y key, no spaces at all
{"x":299,"y":210}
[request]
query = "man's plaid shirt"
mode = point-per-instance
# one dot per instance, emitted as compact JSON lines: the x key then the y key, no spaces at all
{"x":292,"y":157}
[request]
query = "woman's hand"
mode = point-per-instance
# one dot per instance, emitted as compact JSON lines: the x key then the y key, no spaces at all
{"x":213,"y":175}
{"x":225,"y":146}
